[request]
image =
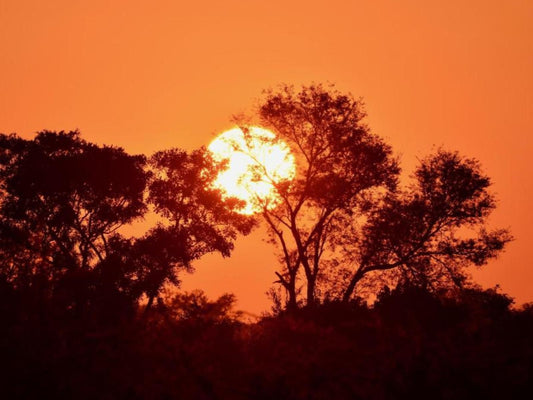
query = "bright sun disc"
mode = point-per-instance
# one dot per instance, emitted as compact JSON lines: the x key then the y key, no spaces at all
{"x":257,"y":162}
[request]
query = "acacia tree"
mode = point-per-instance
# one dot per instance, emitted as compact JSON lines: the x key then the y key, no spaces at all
{"x":343,"y":218}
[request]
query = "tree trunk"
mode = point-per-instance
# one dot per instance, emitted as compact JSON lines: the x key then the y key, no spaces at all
{"x":292,"y":304}
{"x":311,"y":280}
{"x":351,"y":286}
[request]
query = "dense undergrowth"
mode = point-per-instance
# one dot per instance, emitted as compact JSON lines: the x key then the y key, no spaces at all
{"x":409,"y":344}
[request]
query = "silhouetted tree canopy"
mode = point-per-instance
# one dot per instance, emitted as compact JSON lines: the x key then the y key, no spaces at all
{"x":429,"y":233}
{"x":345,"y":218}
{"x":196,"y":219}
{"x":73,"y":286}
{"x":64,"y":201}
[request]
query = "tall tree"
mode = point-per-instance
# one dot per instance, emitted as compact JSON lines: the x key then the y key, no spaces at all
{"x":344,"y":218}
{"x":340,"y":165}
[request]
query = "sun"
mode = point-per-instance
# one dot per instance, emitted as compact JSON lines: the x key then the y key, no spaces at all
{"x":257,"y":162}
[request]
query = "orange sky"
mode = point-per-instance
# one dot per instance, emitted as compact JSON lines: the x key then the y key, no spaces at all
{"x":152,"y":75}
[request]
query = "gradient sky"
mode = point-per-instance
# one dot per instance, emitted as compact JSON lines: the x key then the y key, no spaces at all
{"x":153,"y":75}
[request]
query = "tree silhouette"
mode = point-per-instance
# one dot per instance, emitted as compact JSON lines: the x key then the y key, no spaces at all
{"x":344,"y":217}
{"x":70,"y":283}
{"x":64,"y":201}
{"x":196,"y":218}
{"x":430,"y":233}
{"x":339,"y":164}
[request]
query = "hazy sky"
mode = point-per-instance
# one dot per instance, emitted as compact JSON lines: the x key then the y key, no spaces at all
{"x":153,"y":75}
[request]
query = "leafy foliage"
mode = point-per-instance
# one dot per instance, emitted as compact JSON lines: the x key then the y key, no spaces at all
{"x":345,"y":222}
{"x":73,"y":325}
{"x":197,"y":220}
{"x":340,"y":163}
{"x":431,"y":232}
{"x":64,"y":201}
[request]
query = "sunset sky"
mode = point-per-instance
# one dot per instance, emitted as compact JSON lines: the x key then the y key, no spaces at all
{"x":149,"y":76}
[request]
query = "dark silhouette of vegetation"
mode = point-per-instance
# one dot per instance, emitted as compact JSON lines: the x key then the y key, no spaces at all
{"x":64,"y":201}
{"x":84,"y":312}
{"x":345,"y":222}
{"x":410,"y":344}
{"x":339,"y":163}
{"x":195,"y":218}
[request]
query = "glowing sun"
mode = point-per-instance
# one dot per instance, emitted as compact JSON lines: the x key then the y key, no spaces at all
{"x":257,"y":162}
